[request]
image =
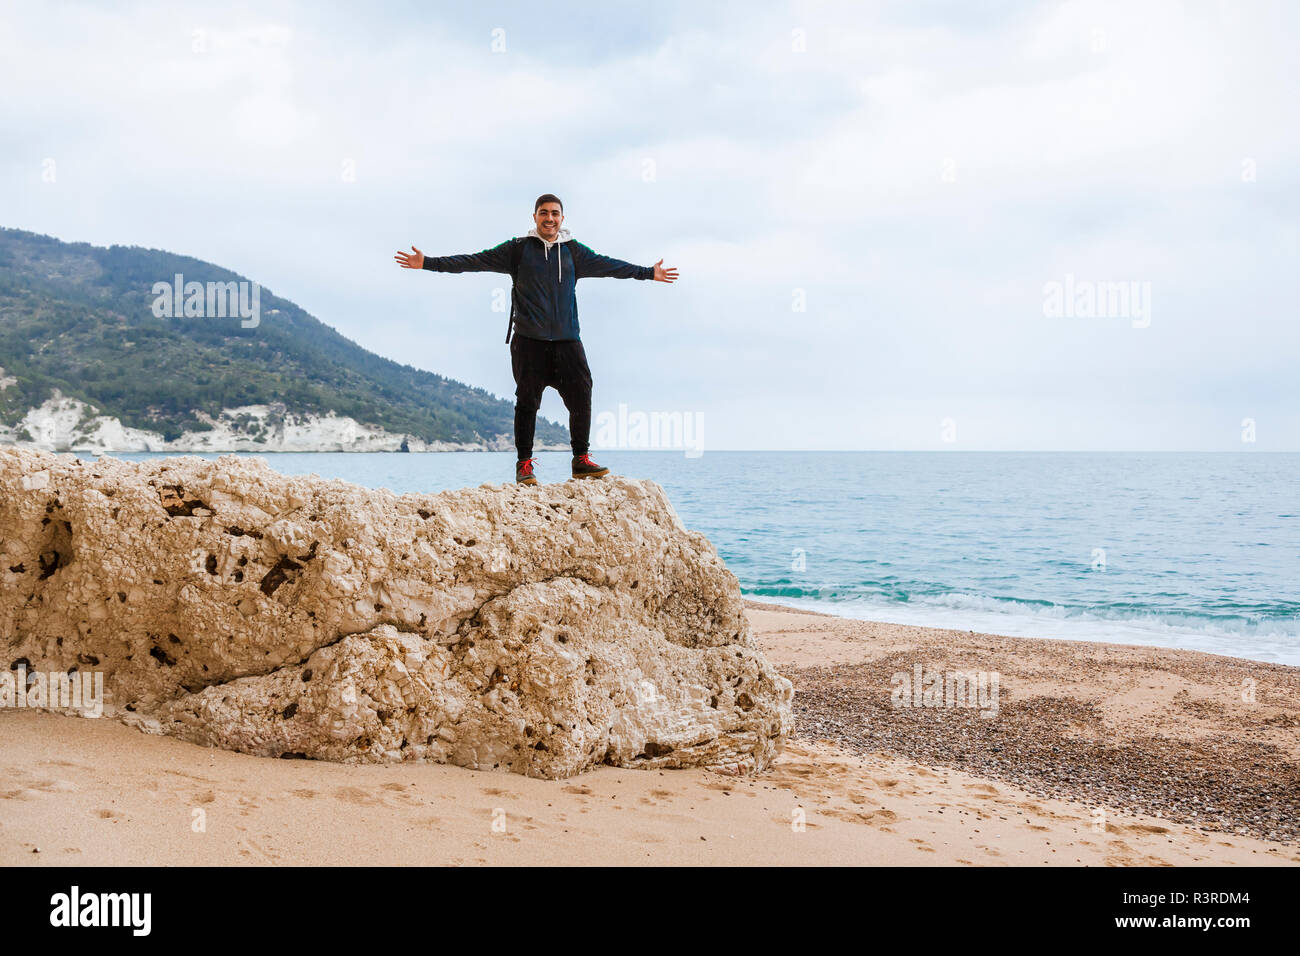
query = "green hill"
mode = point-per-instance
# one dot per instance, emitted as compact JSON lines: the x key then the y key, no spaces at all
{"x":79,"y":318}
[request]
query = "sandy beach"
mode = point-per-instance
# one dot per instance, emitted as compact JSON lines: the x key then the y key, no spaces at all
{"x":1099,"y":755}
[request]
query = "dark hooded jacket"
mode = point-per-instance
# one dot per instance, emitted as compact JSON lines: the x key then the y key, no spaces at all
{"x":546,"y":301}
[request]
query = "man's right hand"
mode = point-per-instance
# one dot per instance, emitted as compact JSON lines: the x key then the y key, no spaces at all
{"x":408,"y":261}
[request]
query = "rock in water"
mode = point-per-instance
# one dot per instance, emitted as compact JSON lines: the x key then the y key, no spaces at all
{"x":543,"y":630}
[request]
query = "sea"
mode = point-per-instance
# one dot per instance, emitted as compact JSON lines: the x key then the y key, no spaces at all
{"x":1184,"y":550}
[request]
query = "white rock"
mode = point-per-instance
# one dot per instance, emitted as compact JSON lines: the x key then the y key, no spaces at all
{"x":362,"y":631}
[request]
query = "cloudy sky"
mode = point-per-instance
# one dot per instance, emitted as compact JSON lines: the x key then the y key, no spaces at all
{"x":871,"y":204}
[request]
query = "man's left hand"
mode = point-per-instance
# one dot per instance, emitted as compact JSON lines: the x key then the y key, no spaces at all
{"x":664,"y":275}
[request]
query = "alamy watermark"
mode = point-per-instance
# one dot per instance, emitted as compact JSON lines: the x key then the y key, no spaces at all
{"x":212,"y":300}
{"x":657,"y":430}
{"x":53,"y":690}
{"x":74,"y":908}
{"x":1087,"y":299}
{"x":974,"y":690}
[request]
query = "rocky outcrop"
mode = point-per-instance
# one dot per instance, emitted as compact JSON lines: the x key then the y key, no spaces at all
{"x":542,"y":630}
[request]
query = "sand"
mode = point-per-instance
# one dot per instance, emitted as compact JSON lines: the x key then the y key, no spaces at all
{"x":845,"y":791}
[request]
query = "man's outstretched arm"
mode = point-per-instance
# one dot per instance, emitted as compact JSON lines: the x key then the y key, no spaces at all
{"x":496,"y":259}
{"x":591,"y":265}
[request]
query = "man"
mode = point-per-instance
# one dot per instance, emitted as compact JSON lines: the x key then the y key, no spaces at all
{"x":546,"y":350}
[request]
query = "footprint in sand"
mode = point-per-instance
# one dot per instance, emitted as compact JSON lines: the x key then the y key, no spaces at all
{"x":799,"y":770}
{"x":250,"y":848}
{"x":361,"y":798}
{"x":246,"y":805}
{"x":49,"y":786}
{"x":851,"y":816}
{"x":1136,"y":828}
{"x":808,"y":824}
{"x":578,"y":789}
{"x":189,"y":776}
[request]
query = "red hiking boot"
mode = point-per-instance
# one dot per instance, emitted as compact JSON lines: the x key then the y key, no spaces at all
{"x":524,"y":472}
{"x":584,"y":467}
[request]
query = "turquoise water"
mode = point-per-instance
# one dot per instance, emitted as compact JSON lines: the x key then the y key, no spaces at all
{"x":1198,"y":551}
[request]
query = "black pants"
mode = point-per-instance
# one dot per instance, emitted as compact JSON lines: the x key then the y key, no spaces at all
{"x":560,"y":365}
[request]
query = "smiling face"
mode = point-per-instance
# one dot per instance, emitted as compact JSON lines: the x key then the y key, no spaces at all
{"x":549,"y":217}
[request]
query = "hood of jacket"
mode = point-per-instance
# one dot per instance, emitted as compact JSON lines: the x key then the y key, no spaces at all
{"x":563,"y":236}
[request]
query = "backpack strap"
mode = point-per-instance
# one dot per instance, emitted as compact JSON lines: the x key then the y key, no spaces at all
{"x":516,"y":253}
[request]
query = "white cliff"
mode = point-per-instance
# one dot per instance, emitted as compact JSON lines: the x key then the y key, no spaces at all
{"x":62,"y":424}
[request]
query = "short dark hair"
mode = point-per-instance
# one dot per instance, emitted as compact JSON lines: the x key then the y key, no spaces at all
{"x":545,"y":198}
